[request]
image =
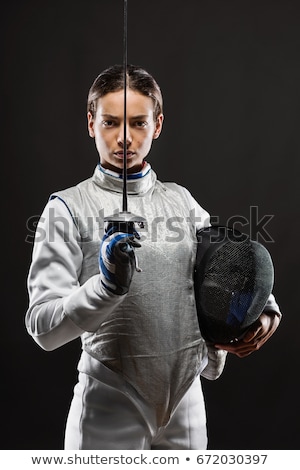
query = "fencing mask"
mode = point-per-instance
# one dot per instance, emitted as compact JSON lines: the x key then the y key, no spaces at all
{"x":233,"y":279}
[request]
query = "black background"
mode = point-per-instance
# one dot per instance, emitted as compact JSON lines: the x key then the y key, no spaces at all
{"x":230,"y":75}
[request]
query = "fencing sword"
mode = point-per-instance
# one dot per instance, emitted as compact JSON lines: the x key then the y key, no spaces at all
{"x":125,"y":220}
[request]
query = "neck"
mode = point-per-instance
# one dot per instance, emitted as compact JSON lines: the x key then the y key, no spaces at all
{"x":145,"y":167}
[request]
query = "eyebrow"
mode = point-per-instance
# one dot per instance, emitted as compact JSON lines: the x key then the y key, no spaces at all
{"x":110,"y":116}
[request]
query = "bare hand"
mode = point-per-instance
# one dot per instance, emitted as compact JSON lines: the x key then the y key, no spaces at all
{"x":255,"y":337}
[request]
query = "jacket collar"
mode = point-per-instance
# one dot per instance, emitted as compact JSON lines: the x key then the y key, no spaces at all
{"x":137,"y":183}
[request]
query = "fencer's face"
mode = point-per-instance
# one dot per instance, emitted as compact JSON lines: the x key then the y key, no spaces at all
{"x":107,"y":128}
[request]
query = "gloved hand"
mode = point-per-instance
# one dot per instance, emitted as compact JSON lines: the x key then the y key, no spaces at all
{"x":117,"y":258}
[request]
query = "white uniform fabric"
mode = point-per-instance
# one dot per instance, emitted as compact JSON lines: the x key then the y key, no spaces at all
{"x":148,"y":339}
{"x":108,"y":414}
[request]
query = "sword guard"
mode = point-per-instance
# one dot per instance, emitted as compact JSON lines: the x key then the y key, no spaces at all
{"x":125,"y":221}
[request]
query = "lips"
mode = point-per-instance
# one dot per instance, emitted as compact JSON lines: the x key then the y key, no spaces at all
{"x":120,"y":154}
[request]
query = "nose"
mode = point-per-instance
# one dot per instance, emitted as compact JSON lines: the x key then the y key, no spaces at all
{"x":121,"y":136}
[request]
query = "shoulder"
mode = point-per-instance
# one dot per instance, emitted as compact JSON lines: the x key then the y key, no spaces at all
{"x":170,"y":186}
{"x":72,"y":191}
{"x":181,"y":195}
{"x":178,"y":190}
{"x":73,"y":196}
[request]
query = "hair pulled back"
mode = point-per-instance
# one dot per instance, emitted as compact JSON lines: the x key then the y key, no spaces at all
{"x":112,"y":79}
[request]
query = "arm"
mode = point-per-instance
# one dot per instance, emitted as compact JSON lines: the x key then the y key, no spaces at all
{"x":60,"y":310}
{"x":216,"y":357}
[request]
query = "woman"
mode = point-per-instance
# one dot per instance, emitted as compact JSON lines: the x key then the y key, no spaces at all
{"x":143,"y":353}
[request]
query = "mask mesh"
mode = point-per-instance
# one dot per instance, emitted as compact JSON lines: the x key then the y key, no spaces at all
{"x":229,"y":281}
{"x":232,"y":283}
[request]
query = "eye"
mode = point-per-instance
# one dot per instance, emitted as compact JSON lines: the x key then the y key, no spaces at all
{"x":141,"y":124}
{"x":108,"y":123}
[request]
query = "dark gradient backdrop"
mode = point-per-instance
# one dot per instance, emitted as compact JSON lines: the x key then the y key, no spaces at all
{"x":230,"y":74}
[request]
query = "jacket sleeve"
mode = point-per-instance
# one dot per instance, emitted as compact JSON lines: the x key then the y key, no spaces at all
{"x":60,"y":310}
{"x":272,"y":306}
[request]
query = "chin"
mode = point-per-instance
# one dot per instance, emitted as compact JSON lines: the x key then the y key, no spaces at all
{"x":134,"y":166}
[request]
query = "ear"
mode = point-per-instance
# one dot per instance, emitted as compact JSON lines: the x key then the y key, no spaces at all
{"x":158,"y":126}
{"x":90,"y":124}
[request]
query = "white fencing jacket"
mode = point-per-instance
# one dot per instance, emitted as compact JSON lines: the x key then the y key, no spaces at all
{"x":149,"y":336}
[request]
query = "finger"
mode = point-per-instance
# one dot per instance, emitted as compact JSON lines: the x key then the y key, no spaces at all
{"x":240,"y":351}
{"x":135,"y":243}
{"x":127,"y":244}
{"x":251,"y":334}
{"x":125,"y":247}
{"x":240,"y":347}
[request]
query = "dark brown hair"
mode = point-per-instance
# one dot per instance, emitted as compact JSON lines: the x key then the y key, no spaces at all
{"x":112,"y":79}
